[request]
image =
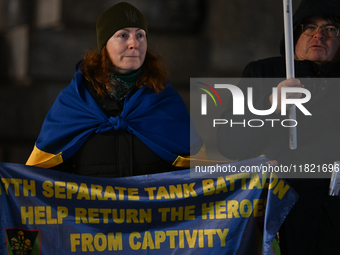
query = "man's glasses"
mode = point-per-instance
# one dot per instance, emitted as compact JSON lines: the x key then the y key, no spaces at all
{"x":328,"y":31}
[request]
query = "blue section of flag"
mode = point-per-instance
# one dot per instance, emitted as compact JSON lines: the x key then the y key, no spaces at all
{"x":160,"y":120}
{"x":167,"y":213}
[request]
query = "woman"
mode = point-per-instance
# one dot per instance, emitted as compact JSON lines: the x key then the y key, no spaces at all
{"x":119,"y":116}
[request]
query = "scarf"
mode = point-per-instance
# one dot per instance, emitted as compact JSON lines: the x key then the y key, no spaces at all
{"x":122,"y":84}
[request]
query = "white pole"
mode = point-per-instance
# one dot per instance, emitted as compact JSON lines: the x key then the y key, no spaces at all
{"x":289,"y":49}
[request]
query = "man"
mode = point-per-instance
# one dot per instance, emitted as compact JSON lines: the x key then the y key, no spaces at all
{"x":308,"y":227}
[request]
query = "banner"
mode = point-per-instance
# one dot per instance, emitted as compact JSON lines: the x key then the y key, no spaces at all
{"x":44,"y":211}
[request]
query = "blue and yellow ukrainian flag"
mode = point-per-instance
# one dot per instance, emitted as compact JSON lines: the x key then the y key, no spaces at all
{"x":160,"y":120}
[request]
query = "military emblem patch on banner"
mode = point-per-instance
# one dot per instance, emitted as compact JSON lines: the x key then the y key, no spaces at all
{"x":22,"y":241}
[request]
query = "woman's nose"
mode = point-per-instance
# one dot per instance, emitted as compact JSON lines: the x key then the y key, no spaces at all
{"x":132,"y":42}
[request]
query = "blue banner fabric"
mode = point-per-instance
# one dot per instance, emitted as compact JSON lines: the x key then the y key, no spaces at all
{"x":43,"y":211}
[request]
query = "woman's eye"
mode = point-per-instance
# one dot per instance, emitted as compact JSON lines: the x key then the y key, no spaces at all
{"x":123,"y":35}
{"x":141,"y":35}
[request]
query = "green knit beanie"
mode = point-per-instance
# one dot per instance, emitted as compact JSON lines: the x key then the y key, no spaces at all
{"x":117,"y":17}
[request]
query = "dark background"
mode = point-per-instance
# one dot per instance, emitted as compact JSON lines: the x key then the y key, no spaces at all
{"x":42,"y":40}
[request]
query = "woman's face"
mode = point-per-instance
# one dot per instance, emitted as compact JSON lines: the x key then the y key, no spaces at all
{"x":127,"y":49}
